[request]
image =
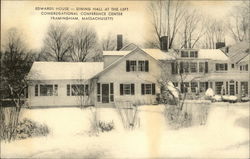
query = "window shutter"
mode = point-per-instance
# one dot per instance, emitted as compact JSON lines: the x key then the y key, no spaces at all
{"x":181,"y":67}
{"x":206,"y":83}
{"x":206,"y":67}
{"x":146,"y":66}
{"x":111,"y":88}
{"x":98,"y":88}
{"x":121,"y":89}
{"x":36,"y":90}
{"x":132,"y":89}
{"x":127,"y":66}
{"x":153,"y":89}
{"x":172,"y":68}
{"x":226,"y":66}
{"x":142,"y":89}
{"x":86,"y":89}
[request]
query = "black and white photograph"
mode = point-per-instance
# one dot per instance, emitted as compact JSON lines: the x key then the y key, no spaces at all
{"x":125,"y":79}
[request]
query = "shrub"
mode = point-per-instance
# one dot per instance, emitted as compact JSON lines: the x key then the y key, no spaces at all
{"x":28,"y":128}
{"x":106,"y":126}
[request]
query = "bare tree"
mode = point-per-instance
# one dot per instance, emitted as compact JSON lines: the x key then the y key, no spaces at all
{"x":83,"y":42}
{"x":192,"y":29}
{"x":239,"y":22}
{"x":56,"y":44}
{"x":108,"y":43}
{"x":215,"y":32}
{"x":166,"y":19}
{"x":15,"y":64}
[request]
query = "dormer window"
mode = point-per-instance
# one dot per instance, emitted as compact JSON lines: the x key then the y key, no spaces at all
{"x":184,"y":53}
{"x":191,"y":54}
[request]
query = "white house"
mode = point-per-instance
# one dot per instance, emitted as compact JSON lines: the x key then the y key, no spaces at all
{"x":133,"y":74}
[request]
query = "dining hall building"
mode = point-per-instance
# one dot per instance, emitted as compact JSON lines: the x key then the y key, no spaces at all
{"x":134,"y":74}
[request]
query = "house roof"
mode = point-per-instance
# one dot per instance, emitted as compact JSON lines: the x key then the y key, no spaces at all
{"x":155,"y":53}
{"x":64,"y":70}
{"x":122,"y":58}
{"x":129,"y":47}
{"x":238,"y":51}
{"x":212,"y":54}
{"x":245,"y":59}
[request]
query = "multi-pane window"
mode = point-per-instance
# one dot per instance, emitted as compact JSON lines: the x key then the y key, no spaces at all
{"x":244,"y":88}
{"x":185,"y":67}
{"x":244,"y":67}
{"x":77,"y":90}
{"x":46,"y":90}
{"x":141,"y":65}
{"x":184,"y":87}
{"x":193,"y":53}
{"x":201,"y":67}
{"x":194,"y":87}
{"x":131,"y":65}
{"x":148,"y":89}
{"x":184,"y":53}
{"x":203,"y":86}
{"x":221,"y":66}
{"x":127,"y":89}
{"x":193,"y":67}
{"x":218,"y":87}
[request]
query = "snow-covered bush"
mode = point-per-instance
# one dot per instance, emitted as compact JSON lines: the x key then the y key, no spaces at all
{"x":106,"y":126}
{"x":232,"y":99}
{"x":28,"y":128}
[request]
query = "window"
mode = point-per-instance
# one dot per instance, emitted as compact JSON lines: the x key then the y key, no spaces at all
{"x":193,"y":53}
{"x":98,"y":92}
{"x":148,"y":89}
{"x":221,"y":66}
{"x":141,"y":66}
{"x":127,"y":89}
{"x":226,"y":87}
{"x":232,"y":65}
{"x":193,"y":67}
{"x":244,"y":67}
{"x":218,"y":87}
{"x":185,"y":67}
{"x":174,"y":68}
{"x":194,"y":87}
{"x":184,"y":87}
{"x":244,"y":89}
{"x":68,"y":90}
{"x":132,"y":66}
{"x":184,"y":53}
{"x":77,"y":90}
{"x":175,"y":84}
{"x":46,"y":90}
{"x":203,"y":86}
{"x":36,"y":90}
{"x":201,"y":67}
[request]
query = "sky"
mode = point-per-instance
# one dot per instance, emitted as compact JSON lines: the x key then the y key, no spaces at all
{"x":134,"y":24}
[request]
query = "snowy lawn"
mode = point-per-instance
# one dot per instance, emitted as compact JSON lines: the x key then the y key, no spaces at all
{"x":226,"y":135}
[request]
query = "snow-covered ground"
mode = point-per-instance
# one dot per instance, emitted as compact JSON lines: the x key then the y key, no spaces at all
{"x":226,"y":135}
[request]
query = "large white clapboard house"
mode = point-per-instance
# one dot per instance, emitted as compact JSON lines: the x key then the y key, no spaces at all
{"x":135,"y":74}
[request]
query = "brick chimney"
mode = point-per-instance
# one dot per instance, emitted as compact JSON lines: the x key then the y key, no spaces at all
{"x":119,"y":42}
{"x":164,"y":43}
{"x":219,"y":45}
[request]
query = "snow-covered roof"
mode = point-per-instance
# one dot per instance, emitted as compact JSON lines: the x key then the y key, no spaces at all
{"x":115,"y":53}
{"x":212,"y":54}
{"x":129,"y":47}
{"x":238,"y":51}
{"x":155,"y":53}
{"x":158,"y":54}
{"x":64,"y":70}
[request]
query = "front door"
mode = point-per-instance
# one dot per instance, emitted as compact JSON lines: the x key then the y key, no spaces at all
{"x":231,"y":89}
{"x":105,"y":93}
